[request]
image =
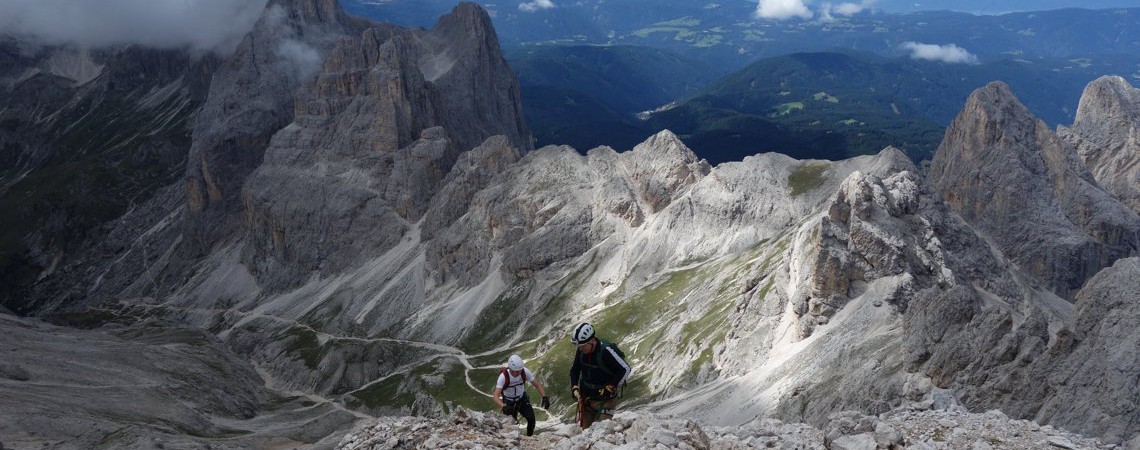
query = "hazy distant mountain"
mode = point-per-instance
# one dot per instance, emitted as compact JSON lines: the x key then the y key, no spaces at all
{"x":863,"y":102}
{"x":586,"y":96}
{"x":810,"y":105}
{"x":630,"y":79}
{"x":727,"y":34}
{"x":582,"y":94}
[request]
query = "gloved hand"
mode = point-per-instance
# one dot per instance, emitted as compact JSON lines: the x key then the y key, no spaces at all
{"x":545,"y":402}
{"x":509,"y":409}
{"x":577,"y":393}
{"x":610,"y":391}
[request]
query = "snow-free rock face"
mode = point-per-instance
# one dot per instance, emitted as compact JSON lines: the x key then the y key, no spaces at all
{"x":89,"y":135}
{"x":1106,"y":135}
{"x":1094,"y":368}
{"x":1013,"y":179}
{"x":374,"y":136}
{"x":251,"y":98}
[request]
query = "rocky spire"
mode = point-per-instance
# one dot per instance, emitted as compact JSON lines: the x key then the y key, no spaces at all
{"x":662,"y":166}
{"x":482,"y":93}
{"x":374,"y":134}
{"x":1106,"y":134}
{"x":313,"y":11}
{"x":1010,"y":176}
{"x":251,"y":98}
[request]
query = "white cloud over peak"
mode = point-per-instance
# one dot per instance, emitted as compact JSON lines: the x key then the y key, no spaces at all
{"x":536,"y":5}
{"x":196,"y":24}
{"x":782,"y":9}
{"x":949,"y":53}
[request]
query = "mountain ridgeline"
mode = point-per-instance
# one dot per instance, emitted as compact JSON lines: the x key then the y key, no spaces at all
{"x":371,"y":232}
{"x":831,"y":105}
{"x":725,"y":35}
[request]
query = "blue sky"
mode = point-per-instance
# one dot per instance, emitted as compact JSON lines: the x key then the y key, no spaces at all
{"x":993,"y":6}
{"x":219,"y":24}
{"x":809,"y":9}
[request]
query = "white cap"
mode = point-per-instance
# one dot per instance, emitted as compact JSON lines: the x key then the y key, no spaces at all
{"x":515,"y":363}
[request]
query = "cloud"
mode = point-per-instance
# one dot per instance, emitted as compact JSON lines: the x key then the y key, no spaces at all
{"x":782,"y":9}
{"x":536,"y":5}
{"x":851,"y":9}
{"x":946,"y":53}
{"x":306,"y":59}
{"x":827,"y":11}
{"x":197,"y":24}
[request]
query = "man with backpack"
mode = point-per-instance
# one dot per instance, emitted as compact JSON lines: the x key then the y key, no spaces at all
{"x":598,"y":374}
{"x":510,"y":392}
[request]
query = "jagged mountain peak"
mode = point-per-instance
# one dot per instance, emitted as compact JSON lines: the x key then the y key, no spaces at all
{"x":993,"y":127}
{"x":1013,"y":178}
{"x":467,"y":18}
{"x":663,"y":154}
{"x":998,"y":103}
{"x":311,"y":11}
{"x":1108,"y":98}
{"x":373,"y":136}
{"x":666,"y":144}
{"x":1106,"y":135}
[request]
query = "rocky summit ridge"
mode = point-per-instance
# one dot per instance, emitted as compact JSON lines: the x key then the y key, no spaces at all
{"x":363,"y":230}
{"x":915,"y":427}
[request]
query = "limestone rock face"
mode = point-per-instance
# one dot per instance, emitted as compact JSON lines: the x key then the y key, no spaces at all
{"x":1013,"y":179}
{"x":1106,"y":135}
{"x":251,"y":98}
{"x":555,"y":204}
{"x":375,"y":135}
{"x":110,"y":129}
{"x":660,"y":166}
{"x":1093,"y":368}
{"x":863,"y":237}
{"x":472,"y":171}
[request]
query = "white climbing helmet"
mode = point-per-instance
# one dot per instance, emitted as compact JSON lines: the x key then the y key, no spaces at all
{"x":582,"y":333}
{"x":515,"y":363}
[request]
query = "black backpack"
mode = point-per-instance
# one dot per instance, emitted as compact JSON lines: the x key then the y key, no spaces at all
{"x":603,"y":345}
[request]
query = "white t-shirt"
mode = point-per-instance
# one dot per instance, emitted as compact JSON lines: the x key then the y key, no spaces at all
{"x":514,"y":389}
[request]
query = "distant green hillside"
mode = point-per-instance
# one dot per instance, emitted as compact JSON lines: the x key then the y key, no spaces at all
{"x":563,"y":116}
{"x":628,"y":79}
{"x":726,"y":34}
{"x":586,"y":96}
{"x":585,"y":67}
{"x":825,"y":105}
{"x":837,"y":105}
{"x":807,"y":105}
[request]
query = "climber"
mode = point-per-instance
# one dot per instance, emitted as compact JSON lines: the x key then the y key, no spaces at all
{"x":510,"y":392}
{"x":598,"y":375}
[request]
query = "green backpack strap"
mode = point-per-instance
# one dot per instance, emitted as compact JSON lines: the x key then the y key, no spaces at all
{"x":597,"y":357}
